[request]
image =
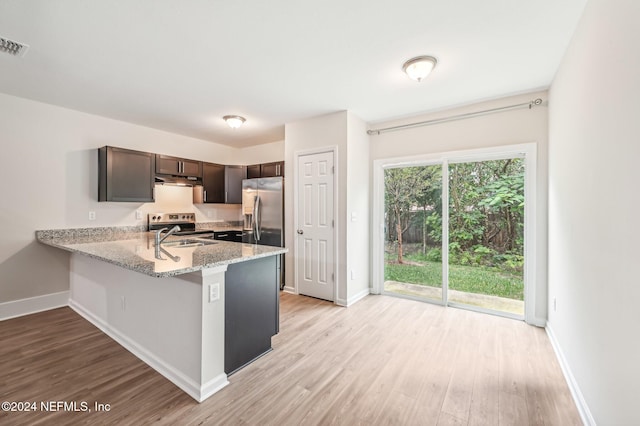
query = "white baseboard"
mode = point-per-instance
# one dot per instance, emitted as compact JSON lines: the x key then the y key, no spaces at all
{"x":213,"y":386}
{"x":576,"y":393}
{"x":31,"y":305}
{"x":358,"y":296}
{"x":290,"y":290}
{"x":197,"y":392}
{"x":539,"y":322}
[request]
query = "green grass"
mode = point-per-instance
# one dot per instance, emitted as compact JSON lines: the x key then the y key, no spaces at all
{"x":471,"y":279}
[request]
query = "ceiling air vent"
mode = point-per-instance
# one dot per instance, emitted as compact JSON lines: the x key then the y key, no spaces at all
{"x":12,"y":47}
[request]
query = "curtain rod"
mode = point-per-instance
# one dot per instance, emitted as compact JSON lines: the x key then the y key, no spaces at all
{"x":529,"y":105}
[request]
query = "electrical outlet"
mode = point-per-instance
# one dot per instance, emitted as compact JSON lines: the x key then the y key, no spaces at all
{"x":555,"y":305}
{"x":92,"y":215}
{"x":214,"y":292}
{"x":138,"y":215}
{"x":353,"y":274}
{"x":123,"y":303}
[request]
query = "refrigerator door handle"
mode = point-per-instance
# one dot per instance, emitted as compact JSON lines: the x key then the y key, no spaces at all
{"x":258,"y":219}
{"x":253,"y":216}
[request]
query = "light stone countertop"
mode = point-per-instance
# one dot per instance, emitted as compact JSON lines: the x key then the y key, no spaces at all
{"x":133,"y":248}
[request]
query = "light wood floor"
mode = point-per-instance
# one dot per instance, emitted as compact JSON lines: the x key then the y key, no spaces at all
{"x":382,"y":361}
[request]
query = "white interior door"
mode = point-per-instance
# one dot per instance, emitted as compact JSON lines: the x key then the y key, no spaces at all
{"x":315,"y":265}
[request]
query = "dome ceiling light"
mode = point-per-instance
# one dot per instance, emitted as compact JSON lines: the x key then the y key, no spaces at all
{"x":234,"y":121}
{"x":419,"y":67}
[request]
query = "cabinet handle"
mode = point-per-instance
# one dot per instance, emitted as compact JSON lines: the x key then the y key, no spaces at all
{"x":226,"y":196}
{"x":205,"y":196}
{"x":223,"y":235}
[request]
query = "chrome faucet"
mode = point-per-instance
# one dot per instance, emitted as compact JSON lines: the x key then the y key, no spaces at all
{"x":160,"y":249}
{"x":160,"y":238}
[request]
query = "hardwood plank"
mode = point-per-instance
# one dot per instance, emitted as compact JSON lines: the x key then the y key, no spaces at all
{"x":383,"y":361}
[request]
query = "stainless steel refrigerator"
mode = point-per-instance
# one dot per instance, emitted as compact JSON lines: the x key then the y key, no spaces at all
{"x":263,"y":211}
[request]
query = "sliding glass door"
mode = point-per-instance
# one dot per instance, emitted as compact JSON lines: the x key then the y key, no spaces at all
{"x":486,"y":235}
{"x":413,"y":232}
{"x":454,"y":233}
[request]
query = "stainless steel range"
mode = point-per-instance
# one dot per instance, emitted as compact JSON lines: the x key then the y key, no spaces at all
{"x":186,"y":221}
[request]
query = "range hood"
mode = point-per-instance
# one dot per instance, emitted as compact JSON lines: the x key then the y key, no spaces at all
{"x":178,"y":180}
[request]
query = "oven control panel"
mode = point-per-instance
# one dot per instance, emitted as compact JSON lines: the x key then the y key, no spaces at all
{"x":172,"y":218}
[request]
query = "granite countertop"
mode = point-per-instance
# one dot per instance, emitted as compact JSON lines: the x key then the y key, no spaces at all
{"x":133,"y":248}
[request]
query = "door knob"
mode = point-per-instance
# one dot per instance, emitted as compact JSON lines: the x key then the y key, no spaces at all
{"x":300,"y":231}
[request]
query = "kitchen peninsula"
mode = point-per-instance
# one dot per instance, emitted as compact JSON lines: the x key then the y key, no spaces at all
{"x":195,"y":310}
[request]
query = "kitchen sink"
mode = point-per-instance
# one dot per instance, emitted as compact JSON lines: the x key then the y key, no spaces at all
{"x":188,"y":243}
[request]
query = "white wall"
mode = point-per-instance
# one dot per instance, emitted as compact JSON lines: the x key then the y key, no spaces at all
{"x":594,"y":204}
{"x":49,"y":179}
{"x":265,"y":153}
{"x":358,"y":202}
{"x":325,"y":131}
{"x":504,"y":128}
{"x":347,"y":133}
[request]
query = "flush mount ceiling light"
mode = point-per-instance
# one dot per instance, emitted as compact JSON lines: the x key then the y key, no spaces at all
{"x":419,"y":67}
{"x":234,"y":121}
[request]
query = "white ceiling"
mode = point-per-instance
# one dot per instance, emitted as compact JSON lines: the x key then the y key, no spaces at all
{"x":181,"y":65}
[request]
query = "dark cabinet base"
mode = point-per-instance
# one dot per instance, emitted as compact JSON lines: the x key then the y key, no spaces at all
{"x":251,"y":311}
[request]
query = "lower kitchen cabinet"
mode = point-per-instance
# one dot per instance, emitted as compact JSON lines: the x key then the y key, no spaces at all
{"x":251,"y":311}
{"x":235,"y":236}
{"x":125,"y":175}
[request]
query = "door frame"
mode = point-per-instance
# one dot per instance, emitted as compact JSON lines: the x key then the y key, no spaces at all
{"x":336,"y":227}
{"x":528,"y":151}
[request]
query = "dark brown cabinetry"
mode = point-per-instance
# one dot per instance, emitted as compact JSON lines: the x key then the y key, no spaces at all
{"x":251,"y":311}
{"x":253,"y":171}
{"x":272,"y":169}
{"x":166,"y":165}
{"x":233,"y":177}
{"x":212,"y":183}
{"x":220,"y":184}
{"x":125,"y":175}
{"x":265,"y":170}
{"x":235,"y":236}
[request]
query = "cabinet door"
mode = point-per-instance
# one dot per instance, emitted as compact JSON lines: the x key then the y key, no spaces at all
{"x":125,"y":175}
{"x":213,"y":182}
{"x":233,"y":183}
{"x":251,"y":311}
{"x":253,"y":171}
{"x":177,"y":166}
{"x":191,"y":168}
{"x":167,"y":165}
{"x":272,"y":169}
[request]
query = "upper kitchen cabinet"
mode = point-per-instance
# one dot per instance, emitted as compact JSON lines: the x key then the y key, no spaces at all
{"x":212,"y":184}
{"x":166,"y":165}
{"x":272,"y":169}
{"x":265,"y":170}
{"x":234,"y":175}
{"x":220,"y":184}
{"x":253,"y":171}
{"x":125,"y":175}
